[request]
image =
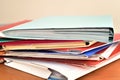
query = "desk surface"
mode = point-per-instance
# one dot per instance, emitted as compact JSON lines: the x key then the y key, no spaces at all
{"x":109,"y":72}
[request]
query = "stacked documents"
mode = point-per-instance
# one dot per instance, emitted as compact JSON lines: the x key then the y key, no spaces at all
{"x":56,"y":47}
{"x":64,"y":64}
{"x":96,"y":53}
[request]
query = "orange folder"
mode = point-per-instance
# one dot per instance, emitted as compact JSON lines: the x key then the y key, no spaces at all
{"x":4,"y":27}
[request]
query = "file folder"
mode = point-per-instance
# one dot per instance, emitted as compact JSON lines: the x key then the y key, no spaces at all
{"x":64,"y":28}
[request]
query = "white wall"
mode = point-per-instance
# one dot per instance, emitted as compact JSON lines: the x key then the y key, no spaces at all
{"x":15,"y":10}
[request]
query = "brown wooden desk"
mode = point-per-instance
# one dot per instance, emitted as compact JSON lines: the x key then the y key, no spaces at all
{"x":109,"y":72}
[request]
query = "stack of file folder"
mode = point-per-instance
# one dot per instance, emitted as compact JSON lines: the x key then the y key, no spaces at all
{"x":58,"y":46}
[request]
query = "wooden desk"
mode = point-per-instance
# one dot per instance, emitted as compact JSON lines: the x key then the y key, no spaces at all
{"x":109,"y":72}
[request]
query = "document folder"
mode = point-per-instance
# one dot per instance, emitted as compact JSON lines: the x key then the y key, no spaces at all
{"x":99,"y":28}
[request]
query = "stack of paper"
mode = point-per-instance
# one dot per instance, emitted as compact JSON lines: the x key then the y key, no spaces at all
{"x":56,"y":47}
